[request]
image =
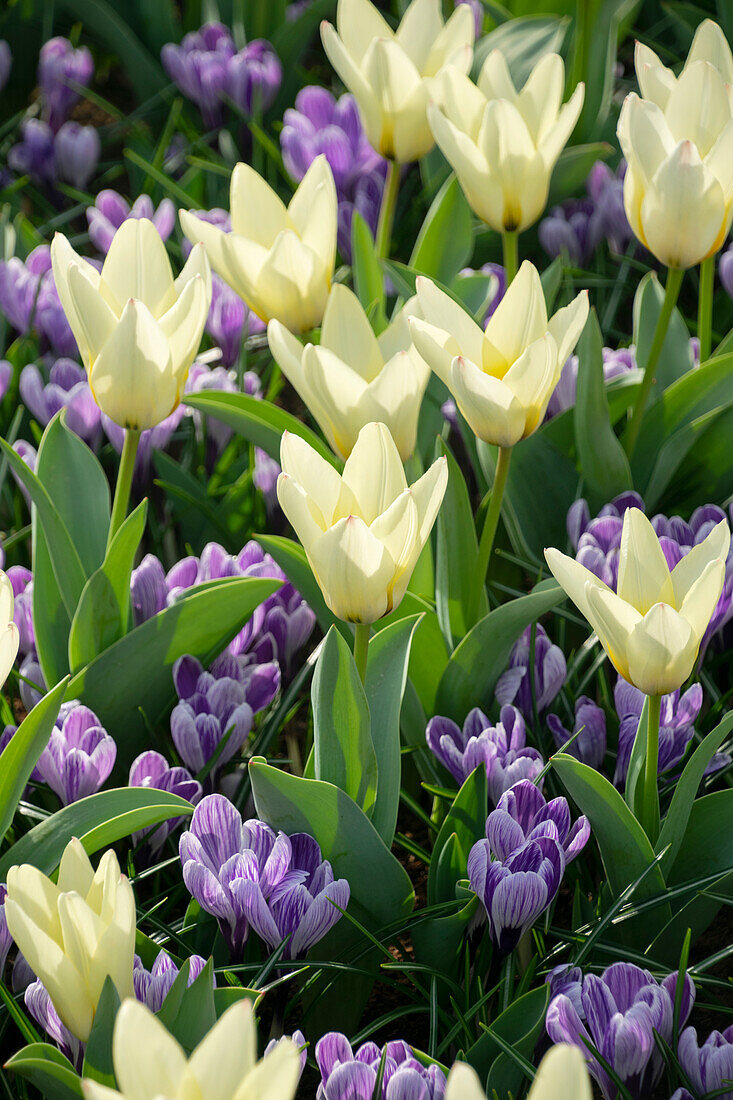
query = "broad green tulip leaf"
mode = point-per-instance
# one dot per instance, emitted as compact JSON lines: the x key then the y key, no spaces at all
{"x":428,"y":653}
{"x":343,"y":750}
{"x":523,"y":42}
{"x":98,"y":1065}
{"x":291,"y":558}
{"x":131,"y":683}
{"x":439,"y":941}
{"x":595,"y":60}
{"x":106,"y":23}
{"x":519,"y":1025}
{"x":551,"y":279}
{"x":368,"y":277}
{"x":386,"y":677}
{"x":445,"y":242}
{"x":48,"y":1070}
{"x":263,"y":17}
{"x":20,"y":755}
{"x":477,"y":662}
{"x":102,"y":616}
{"x":191,"y":1013}
{"x":603,"y":462}
{"x":476,"y":293}
{"x":381,"y":891}
{"x":707,"y":472}
{"x":506,"y":1076}
{"x":466,"y":822}
{"x":572,"y":168}
{"x":226,"y":996}
{"x":675,"y":360}
{"x":51,"y":620}
{"x":457,"y":551}
{"x":674,"y":455}
{"x":98,"y":821}
{"x":258,"y":421}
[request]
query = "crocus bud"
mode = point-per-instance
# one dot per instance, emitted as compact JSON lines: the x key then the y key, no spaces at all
{"x":589,"y":742}
{"x":708,"y":1066}
{"x":151,"y":769}
{"x":725,"y":271}
{"x":363,"y":531}
{"x":74,"y":934}
{"x":41,"y":1008}
{"x":254,"y":76}
{"x":67,"y":388}
{"x":352,"y":377}
{"x":522,"y":814}
{"x":77,"y":151}
{"x":79,"y":756}
{"x":347,"y":1073}
{"x":137,"y":329}
{"x":392,"y":74}
{"x":501,"y":748}
{"x":539,"y":688}
{"x":279,"y":259}
{"x":60,"y":66}
{"x":200,"y":68}
{"x":153,"y":986}
{"x":35,"y":154}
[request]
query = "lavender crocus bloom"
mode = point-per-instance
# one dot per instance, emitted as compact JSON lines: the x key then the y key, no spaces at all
{"x":6,"y":376}
{"x":6,"y":940}
{"x":254,"y":77}
{"x":300,"y":1041}
{"x":6,"y":63}
{"x":153,"y":986}
{"x":590,"y":726}
{"x":606,"y":190}
{"x":264,"y":476}
{"x":523,"y":814}
{"x":151,"y":769}
{"x":568,"y":980}
{"x":111,"y":209}
{"x":40,"y":1006}
{"x":202,"y":380}
{"x":67,"y":388}
{"x":550,"y":670}
{"x":709,"y":1067}
{"x":615,"y":365}
{"x":59,"y":67}
{"x":21,"y":581}
{"x":725,"y":270}
{"x":29,"y":299}
{"x":238,"y":870}
{"x":573,"y":229}
{"x":148,"y":589}
{"x":502,"y":748}
{"x":79,"y":756}
{"x":200,"y":68}
{"x":35,"y":153}
{"x":77,"y":150}
{"x":620,"y":1011}
{"x":352,"y":1075}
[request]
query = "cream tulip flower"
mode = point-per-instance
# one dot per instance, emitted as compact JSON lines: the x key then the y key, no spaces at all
{"x":138,"y":328}
{"x":502,"y":379}
{"x":657,"y":82}
{"x":9,"y":636}
{"x":562,"y":1075}
{"x":278,"y":259}
{"x":652,"y":626}
{"x":74,"y":934}
{"x":150,"y":1064}
{"x":363,"y":531}
{"x":391,"y":73}
{"x":678,"y":187}
{"x":354,"y":377}
{"x":503,"y":144}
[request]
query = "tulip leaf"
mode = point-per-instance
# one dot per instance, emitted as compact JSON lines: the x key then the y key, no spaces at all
{"x":519,"y":1025}
{"x":466,"y":822}
{"x":131,"y":681}
{"x":674,"y":456}
{"x":368,"y":277}
{"x":98,"y":821}
{"x":259,"y":421}
{"x":20,"y":755}
{"x":428,"y":653}
{"x":188,"y":1011}
{"x":675,"y":360}
{"x":343,"y":750}
{"x":523,"y":42}
{"x":98,"y":1064}
{"x":48,"y":1070}
{"x":602,"y":459}
{"x":457,"y":551}
{"x":102,"y":616}
{"x":477,"y":662}
{"x":445,"y":242}
{"x":439,"y":941}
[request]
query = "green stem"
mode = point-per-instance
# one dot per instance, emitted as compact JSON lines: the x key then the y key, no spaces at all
{"x":387,"y":209}
{"x":124,"y":482}
{"x":510,"y":250}
{"x":705,"y":307}
{"x":361,"y":648}
{"x":486,"y":543}
{"x":650,"y":808}
{"x":671,"y":293}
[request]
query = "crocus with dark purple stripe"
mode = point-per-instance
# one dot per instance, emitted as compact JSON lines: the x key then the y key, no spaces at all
{"x":6,"y":940}
{"x":151,"y":769}
{"x":111,"y":209}
{"x":615,"y":365}
{"x":588,"y":733}
{"x":67,"y":388}
{"x":153,"y":986}
{"x":79,"y":756}
{"x":515,"y":685}
{"x":60,"y":66}
{"x":524,"y":814}
{"x":709,"y":1067}
{"x":352,"y":1075}
{"x":40,"y":1006}
{"x":300,"y":1041}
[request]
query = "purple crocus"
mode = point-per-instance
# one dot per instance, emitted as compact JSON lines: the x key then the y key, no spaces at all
{"x":725,"y":270}
{"x":200,"y":68}
{"x":60,"y":66}
{"x":615,"y":365}
{"x":67,"y":388}
{"x":32,"y":686}
{"x":35,"y":154}
{"x":40,"y":1006}
{"x":254,"y":77}
{"x":203,"y":380}
{"x":709,"y":1067}
{"x":151,"y":769}
{"x":229,"y":321}
{"x":239,"y":871}
{"x":153,"y":986}
{"x":488,"y":271}
{"x":573,"y":229}
{"x":300,"y":1041}
{"x":514,"y":685}
{"x":110,"y":210}
{"x":79,"y":756}
{"x":502,"y":748}
{"x":6,"y":63}
{"x":349,"y":1075}
{"x":77,"y":150}
{"x":619,"y":1013}
{"x":6,"y":940}
{"x":21,"y":580}
{"x":523,"y":814}
{"x":589,"y":745}
{"x":29,"y":300}
{"x":606,"y":190}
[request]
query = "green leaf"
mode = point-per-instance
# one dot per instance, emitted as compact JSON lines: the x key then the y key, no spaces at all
{"x":457,"y":551}
{"x":102,"y":616}
{"x":104,"y":24}
{"x":674,"y":456}
{"x":291,"y":558}
{"x":428,"y":653}
{"x":98,"y":821}
{"x":523,"y":42}
{"x":634,"y":788}
{"x":343,"y":750}
{"x":573,"y":167}
{"x":477,"y":662}
{"x":48,"y":1070}
{"x":520,"y":1025}
{"x":675,"y":359}
{"x":603,"y":462}
{"x":98,"y":1064}
{"x":191,"y":1013}
{"x":20,"y":755}
{"x":368,"y":278}
{"x":445,"y":242}
{"x":259,"y":421}
{"x":466,"y":822}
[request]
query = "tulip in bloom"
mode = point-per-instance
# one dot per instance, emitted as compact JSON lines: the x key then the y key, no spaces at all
{"x":76,"y":933}
{"x":137,"y":328}
{"x":652,"y":626}
{"x":502,"y":379}
{"x":279,"y":259}
{"x":363,"y":531}
{"x":561,"y":1076}
{"x":148,"y":1061}
{"x":710,"y":45}
{"x":501,"y":143}
{"x":9,"y":634}
{"x":392,"y":74}
{"x":353,"y":377}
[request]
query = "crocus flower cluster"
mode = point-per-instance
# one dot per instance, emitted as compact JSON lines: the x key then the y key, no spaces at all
{"x":615,"y":365}
{"x":248,"y":876}
{"x":151,"y":769}
{"x":709,"y":1067}
{"x":549,"y":671}
{"x":153,"y":986}
{"x":352,"y":1075}
{"x":209,"y":70}
{"x":319,"y":123}
{"x":30,"y":302}
{"x":516,"y":871}
{"x":589,"y":745}
{"x":60,"y":67}
{"x":577,"y":226}
{"x":618,"y":1013}
{"x":111,"y":209}
{"x":502,"y":749}
{"x":41,"y":1008}
{"x":66,"y":388}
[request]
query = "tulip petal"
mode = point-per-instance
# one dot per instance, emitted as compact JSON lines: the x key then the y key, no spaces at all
{"x":211,"y":237}
{"x":567,"y":324}
{"x":688,"y":570}
{"x":317,"y":477}
{"x":347,"y":67}
{"x":96,"y":320}
{"x":562,"y":1075}
{"x":643,"y":573}
{"x":644,"y":136}
{"x":701,"y":598}
{"x":573,"y":578}
{"x":276,"y":1075}
{"x":395,"y":397}
{"x":75,"y":870}
{"x":710,"y":44}
{"x":37,"y":896}
{"x":495,"y":81}
{"x":373,"y":473}
{"x":698,"y":106}
{"x":481,"y":186}
{"x":661,"y":651}
{"x":347,"y":333}
{"x":452,"y":46}
{"x":532,"y":378}
{"x":541,"y":97}
{"x":258,"y":212}
{"x":358,"y":23}
{"x":227,"y":1054}
{"x":613,"y":620}
{"x":137,"y":266}
{"x":684,"y":212}
{"x":555,"y":138}
{"x":313,"y":211}
{"x":353,"y":570}
{"x":403,"y":99}
{"x":452,"y":318}
{"x":148,"y":1061}
{"x":63,"y":258}
{"x":463,"y":1083}
{"x":196,"y":264}
{"x":183,"y":326}
{"x":420,"y":26}
{"x":656,"y":81}
{"x":521,"y":316}
{"x":489,"y":406}
{"x":338,"y":394}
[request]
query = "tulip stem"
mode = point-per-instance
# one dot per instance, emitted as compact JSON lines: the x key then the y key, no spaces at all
{"x":650,"y":806}
{"x":705,"y":308}
{"x":671,"y":293}
{"x":361,"y":648}
{"x":488,"y":534}
{"x":510,"y":250}
{"x":387,"y":209}
{"x":124,"y":482}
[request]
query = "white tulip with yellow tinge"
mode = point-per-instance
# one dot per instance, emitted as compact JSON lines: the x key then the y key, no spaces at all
{"x":503,"y":378}
{"x":279,"y":259}
{"x":391,"y":73}
{"x":657,"y":82}
{"x":149,"y":1063}
{"x":502,"y":143}
{"x":353,"y":377}
{"x":562,"y":1075}
{"x":363,"y":531}
{"x":652,"y":626}
{"x":138,"y":328}
{"x":9,"y":636}
{"x":74,"y":934}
